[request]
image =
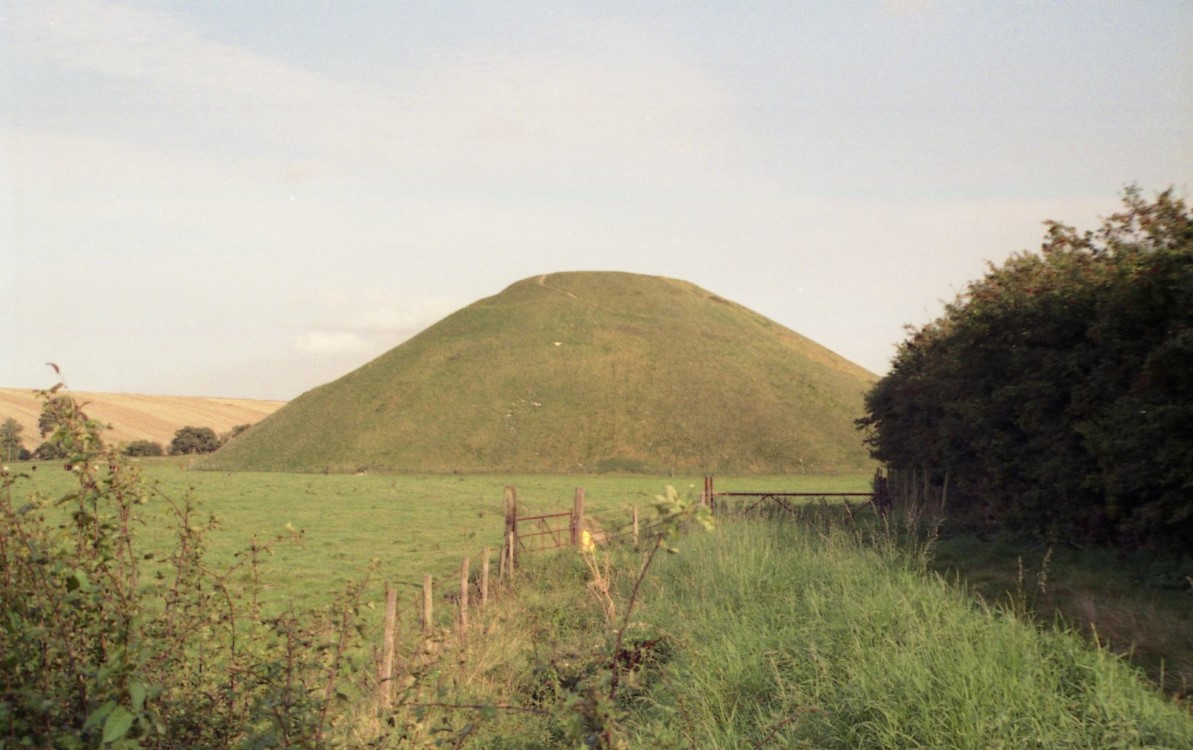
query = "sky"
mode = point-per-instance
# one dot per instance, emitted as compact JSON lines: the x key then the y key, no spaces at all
{"x":249,"y":199}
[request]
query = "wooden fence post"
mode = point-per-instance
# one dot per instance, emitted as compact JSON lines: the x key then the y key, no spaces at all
{"x":385,"y":677}
{"x":511,"y":523}
{"x":485,"y":578}
{"x":577,"y":516}
{"x":635,"y":518}
{"x":463,"y":596}
{"x":510,"y":540}
{"x":428,"y":598}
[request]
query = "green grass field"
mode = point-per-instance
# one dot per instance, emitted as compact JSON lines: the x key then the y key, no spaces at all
{"x":412,"y":524}
{"x":778,"y":633}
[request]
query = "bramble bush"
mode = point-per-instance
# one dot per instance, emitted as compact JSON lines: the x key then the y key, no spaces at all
{"x":102,"y":645}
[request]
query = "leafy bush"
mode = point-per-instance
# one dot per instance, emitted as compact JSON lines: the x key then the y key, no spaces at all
{"x":144,"y":448}
{"x":48,"y":451}
{"x":1056,"y":393}
{"x":190,"y":440}
{"x":96,"y":650}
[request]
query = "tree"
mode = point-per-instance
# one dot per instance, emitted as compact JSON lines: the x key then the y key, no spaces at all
{"x":143,"y":448}
{"x":1057,"y":391}
{"x":194,"y":440}
{"x":49,"y":451}
{"x":10,"y":439}
{"x":49,"y":418}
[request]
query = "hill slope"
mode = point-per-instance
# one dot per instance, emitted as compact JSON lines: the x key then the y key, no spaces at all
{"x":139,"y":417}
{"x":579,"y":372}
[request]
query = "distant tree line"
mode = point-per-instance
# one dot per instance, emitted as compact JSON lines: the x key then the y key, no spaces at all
{"x":1056,"y":393}
{"x":187,"y":441}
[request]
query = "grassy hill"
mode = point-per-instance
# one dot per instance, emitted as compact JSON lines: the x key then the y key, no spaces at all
{"x":579,"y":372}
{"x":139,"y":417}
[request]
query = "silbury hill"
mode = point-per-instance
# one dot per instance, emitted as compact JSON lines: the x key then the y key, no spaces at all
{"x":577,"y":373}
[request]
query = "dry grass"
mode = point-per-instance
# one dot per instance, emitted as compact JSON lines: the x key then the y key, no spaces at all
{"x":140,"y":417}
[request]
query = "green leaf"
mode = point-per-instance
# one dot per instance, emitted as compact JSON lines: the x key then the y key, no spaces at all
{"x":117,"y":724}
{"x":99,"y":715}
{"x":136,"y":694}
{"x":78,"y":580}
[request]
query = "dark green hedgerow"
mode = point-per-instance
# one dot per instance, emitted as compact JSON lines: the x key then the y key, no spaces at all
{"x":1056,"y":393}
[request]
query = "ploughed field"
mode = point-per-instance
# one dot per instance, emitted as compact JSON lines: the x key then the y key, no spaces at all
{"x":135,"y":416}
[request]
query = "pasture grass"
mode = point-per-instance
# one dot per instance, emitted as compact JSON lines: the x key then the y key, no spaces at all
{"x":411,"y":524}
{"x":801,"y":638}
{"x":777,"y":633}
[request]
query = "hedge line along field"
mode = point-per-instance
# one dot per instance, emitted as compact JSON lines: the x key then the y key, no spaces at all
{"x":411,"y":524}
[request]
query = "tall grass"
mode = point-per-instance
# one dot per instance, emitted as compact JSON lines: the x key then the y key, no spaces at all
{"x":800,"y":638}
{"x":769,"y":632}
{"x":777,"y":633}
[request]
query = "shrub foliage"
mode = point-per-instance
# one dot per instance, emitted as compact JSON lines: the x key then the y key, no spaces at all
{"x":144,"y":448}
{"x":1056,"y":393}
{"x":102,"y":644}
{"x":190,"y":440}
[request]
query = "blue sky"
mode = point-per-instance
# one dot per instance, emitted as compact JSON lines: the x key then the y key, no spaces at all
{"x":249,"y":199}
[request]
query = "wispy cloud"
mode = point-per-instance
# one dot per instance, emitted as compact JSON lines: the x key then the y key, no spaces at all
{"x":330,"y":342}
{"x":371,"y":329}
{"x":158,"y":50}
{"x":550,"y":112}
{"x":231,"y":182}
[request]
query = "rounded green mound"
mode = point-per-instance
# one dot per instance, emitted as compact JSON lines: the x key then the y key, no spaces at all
{"x":579,"y":372}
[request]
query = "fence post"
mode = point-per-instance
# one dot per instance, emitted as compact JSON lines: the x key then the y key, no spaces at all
{"x":428,"y":597}
{"x":635,"y":518}
{"x":511,"y":522}
{"x":463,"y":596}
{"x":510,"y":541}
{"x":577,"y":516}
{"x":385,"y":678}
{"x":485,"y":578}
